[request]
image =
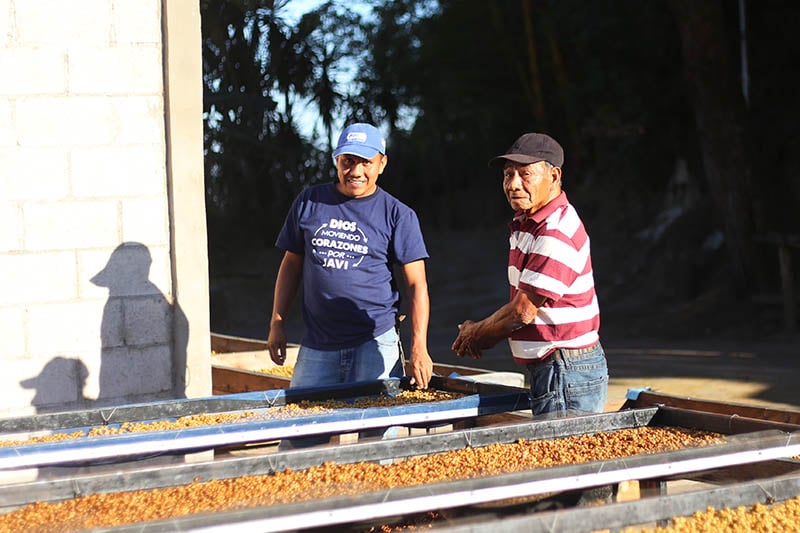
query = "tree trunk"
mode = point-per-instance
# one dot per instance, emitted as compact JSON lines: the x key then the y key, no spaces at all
{"x":721,"y":117}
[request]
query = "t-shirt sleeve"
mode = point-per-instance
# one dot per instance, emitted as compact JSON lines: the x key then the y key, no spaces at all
{"x":290,"y":237}
{"x":408,"y":244}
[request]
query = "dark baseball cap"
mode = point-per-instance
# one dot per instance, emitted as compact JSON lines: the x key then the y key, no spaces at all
{"x":531,"y":148}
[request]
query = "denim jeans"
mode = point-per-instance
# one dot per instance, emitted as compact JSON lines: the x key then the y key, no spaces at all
{"x":570,"y":380}
{"x":378,"y":358}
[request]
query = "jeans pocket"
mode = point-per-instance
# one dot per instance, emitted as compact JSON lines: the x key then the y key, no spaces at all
{"x":589,"y":387}
{"x":389,"y":339}
{"x":545,"y":403}
{"x":587,"y":395}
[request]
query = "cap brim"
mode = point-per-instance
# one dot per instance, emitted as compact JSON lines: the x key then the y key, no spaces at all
{"x":516,"y":158}
{"x":359,"y":150}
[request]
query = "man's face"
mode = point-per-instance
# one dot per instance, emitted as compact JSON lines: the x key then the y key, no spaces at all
{"x":358,"y":177}
{"x":528,"y":188}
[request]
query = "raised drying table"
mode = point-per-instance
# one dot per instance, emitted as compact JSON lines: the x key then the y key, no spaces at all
{"x":478,"y":399}
{"x":750,"y":442}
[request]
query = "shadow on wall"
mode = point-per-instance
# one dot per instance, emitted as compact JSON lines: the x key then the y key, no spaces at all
{"x":139,"y":358}
{"x":66,"y":371}
{"x":138,"y":328}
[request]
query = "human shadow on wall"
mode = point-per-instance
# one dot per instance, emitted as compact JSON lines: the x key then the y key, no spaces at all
{"x":62,"y":380}
{"x":143,"y":335}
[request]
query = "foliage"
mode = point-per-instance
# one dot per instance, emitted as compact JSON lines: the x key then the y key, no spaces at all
{"x":260,"y":73}
{"x":454,"y":82}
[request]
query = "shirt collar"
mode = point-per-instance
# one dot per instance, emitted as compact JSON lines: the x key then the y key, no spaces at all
{"x":548,"y":209}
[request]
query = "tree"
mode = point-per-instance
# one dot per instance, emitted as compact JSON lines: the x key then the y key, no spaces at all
{"x":722,"y":126}
{"x":260,"y":74}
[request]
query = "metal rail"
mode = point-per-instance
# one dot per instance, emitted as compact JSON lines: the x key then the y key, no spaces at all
{"x":754,"y":443}
{"x":257,"y":429}
{"x":742,"y":449}
{"x":456,"y":494}
{"x":70,"y":482}
{"x":628,"y":514}
{"x":637,"y":398}
{"x":165,"y":409}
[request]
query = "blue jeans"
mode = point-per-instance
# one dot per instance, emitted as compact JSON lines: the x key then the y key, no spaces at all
{"x":570,"y":380}
{"x":378,"y":358}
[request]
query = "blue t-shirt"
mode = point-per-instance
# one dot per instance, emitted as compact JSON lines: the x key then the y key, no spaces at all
{"x":349,"y":246}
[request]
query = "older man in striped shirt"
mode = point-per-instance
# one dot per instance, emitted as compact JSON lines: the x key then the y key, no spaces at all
{"x":552,"y":318}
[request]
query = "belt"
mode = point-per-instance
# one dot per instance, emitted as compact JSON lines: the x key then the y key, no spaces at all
{"x":579,"y":351}
{"x":566,"y":351}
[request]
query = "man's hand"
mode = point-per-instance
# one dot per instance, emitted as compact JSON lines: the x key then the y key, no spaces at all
{"x":471,"y":341}
{"x":421,"y":368}
{"x":276,"y":343}
{"x":467,"y":343}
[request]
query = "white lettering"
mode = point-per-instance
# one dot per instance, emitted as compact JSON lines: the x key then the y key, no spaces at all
{"x":338,"y":245}
{"x":342,"y":224}
{"x":339,"y":264}
{"x":340,"y":235}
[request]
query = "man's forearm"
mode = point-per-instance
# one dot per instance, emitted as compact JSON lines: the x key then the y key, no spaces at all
{"x":499,"y":325}
{"x":419,"y":315}
{"x":514,"y":315}
{"x":286,"y":286}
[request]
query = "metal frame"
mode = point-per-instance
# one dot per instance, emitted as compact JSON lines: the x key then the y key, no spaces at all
{"x":374,"y":506}
{"x":756,"y":448}
{"x":490,"y":399}
{"x":628,"y":514}
{"x":750,"y":448}
{"x":164,"y":409}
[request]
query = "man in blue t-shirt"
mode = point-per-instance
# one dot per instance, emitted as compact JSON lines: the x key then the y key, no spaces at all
{"x":342,"y":240}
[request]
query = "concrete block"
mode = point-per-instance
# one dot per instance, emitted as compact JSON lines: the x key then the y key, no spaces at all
{"x":142,"y":119}
{"x":32,"y":71}
{"x":71,"y":225}
{"x":12,"y":331}
{"x":112,"y":325}
{"x":124,"y":271}
{"x":145,"y":220}
{"x":90,"y":264}
{"x":6,"y":26}
{"x":66,"y":121}
{"x":59,"y":381}
{"x":161,"y":269}
{"x":16,"y":371}
{"x":126,"y":371}
{"x":116,"y":70}
{"x":148,"y":320}
{"x":11,"y":224}
{"x":68,"y":328}
{"x":89,"y":120}
{"x":8,"y":133}
{"x":137,"y":21}
{"x":34,"y":173}
{"x":63,"y":23}
{"x":37,"y":278}
{"x":119,"y":171}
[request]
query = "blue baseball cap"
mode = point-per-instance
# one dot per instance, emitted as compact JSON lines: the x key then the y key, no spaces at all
{"x":363,"y":140}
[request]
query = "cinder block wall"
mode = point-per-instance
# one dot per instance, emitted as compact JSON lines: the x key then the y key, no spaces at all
{"x":90,"y":246}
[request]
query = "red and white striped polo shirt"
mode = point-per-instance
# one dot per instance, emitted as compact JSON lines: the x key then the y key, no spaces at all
{"x":549,"y":256}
